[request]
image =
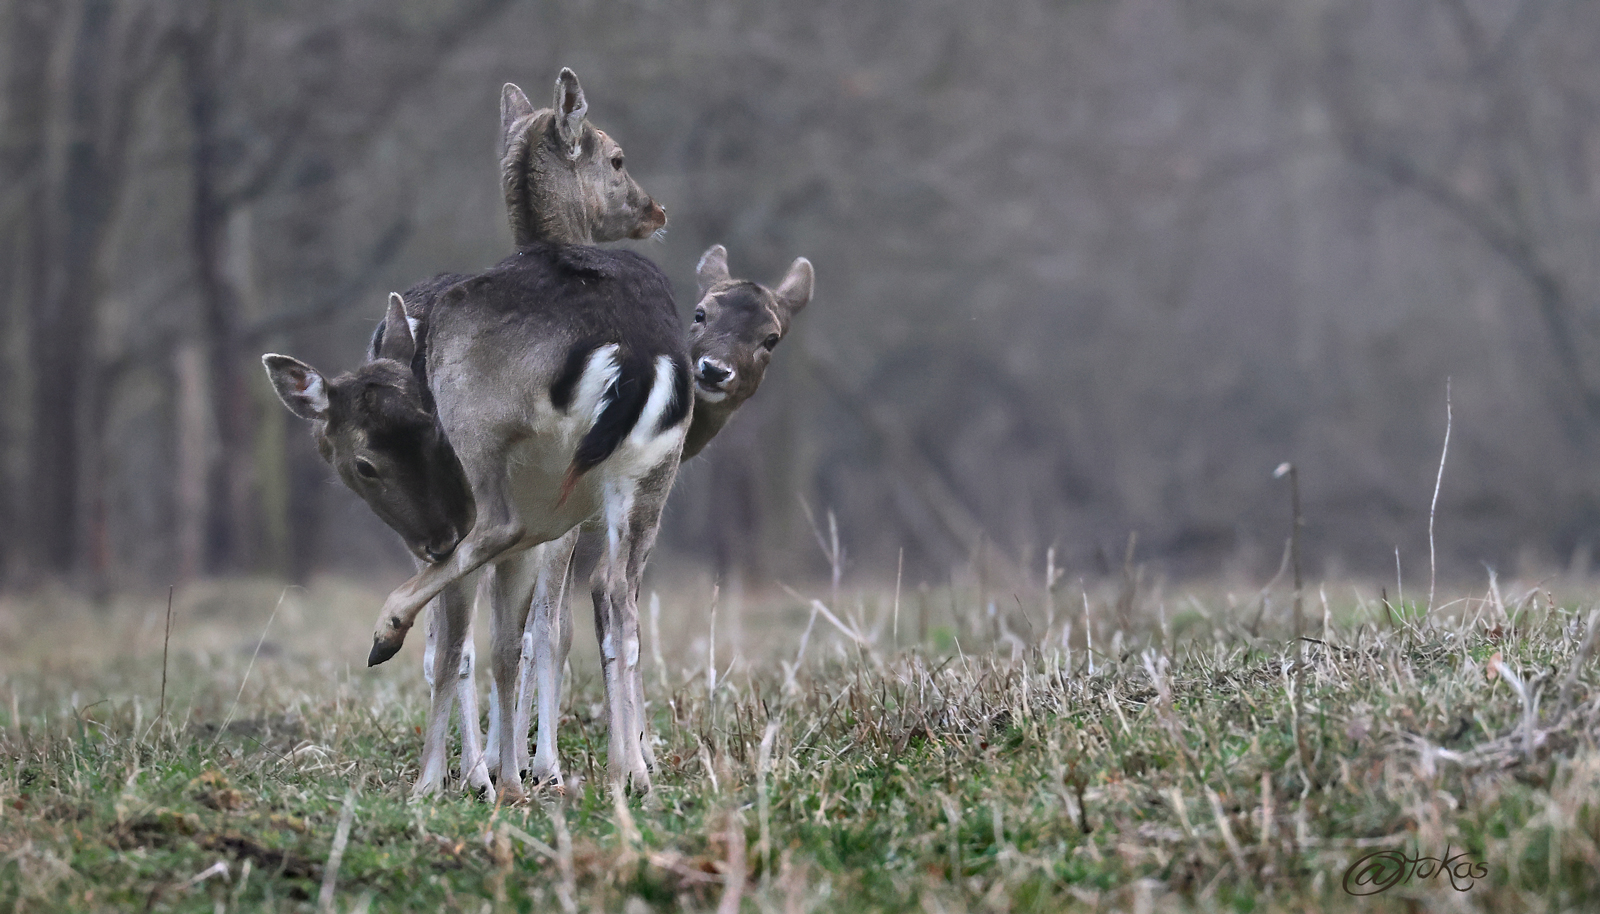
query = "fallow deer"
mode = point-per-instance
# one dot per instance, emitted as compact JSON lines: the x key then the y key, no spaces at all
{"x":621,"y":368}
{"x":546,"y":200}
{"x":560,"y":381}
{"x":737,"y":324}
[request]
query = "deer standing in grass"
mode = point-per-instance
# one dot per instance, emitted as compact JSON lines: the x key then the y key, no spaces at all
{"x":504,"y":409}
{"x":737,"y":324}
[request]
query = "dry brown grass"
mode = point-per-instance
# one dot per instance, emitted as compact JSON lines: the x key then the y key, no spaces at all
{"x":822,"y":766}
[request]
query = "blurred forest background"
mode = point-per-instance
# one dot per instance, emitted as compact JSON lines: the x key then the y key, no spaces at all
{"x":1085,"y":268}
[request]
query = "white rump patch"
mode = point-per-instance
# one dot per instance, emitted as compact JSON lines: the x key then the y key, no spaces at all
{"x":599,"y":373}
{"x":646,"y":446}
{"x":662,"y":394}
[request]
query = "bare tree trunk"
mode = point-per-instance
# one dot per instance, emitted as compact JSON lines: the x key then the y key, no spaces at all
{"x":59,"y":338}
{"x":230,"y":509}
{"x":196,"y":455}
{"x":31,"y":25}
{"x":111,"y":53}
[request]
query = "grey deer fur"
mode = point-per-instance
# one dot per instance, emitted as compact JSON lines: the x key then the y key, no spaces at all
{"x":737,"y":324}
{"x":560,"y":379}
{"x":731,"y":353}
{"x":565,"y":179}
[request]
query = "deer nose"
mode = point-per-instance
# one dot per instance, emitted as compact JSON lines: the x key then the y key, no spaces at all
{"x":713,"y":373}
{"x":439,"y":550}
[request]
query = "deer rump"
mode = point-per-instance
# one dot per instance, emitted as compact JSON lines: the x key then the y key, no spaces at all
{"x":520,"y":348}
{"x":560,"y":378}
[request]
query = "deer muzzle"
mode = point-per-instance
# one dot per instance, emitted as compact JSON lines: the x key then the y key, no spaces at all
{"x":655,"y":220}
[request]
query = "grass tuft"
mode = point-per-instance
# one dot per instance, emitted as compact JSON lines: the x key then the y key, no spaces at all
{"x":1009,"y":762}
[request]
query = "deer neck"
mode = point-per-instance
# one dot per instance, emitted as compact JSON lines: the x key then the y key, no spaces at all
{"x":543,"y":203}
{"x":707,"y":420}
{"x":547,"y":220}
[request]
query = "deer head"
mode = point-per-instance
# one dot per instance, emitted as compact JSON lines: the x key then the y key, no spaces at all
{"x":376,"y":427}
{"x":564,"y":179}
{"x":736,"y":326}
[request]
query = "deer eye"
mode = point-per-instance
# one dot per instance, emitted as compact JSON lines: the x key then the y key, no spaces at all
{"x":616,"y":162}
{"x":699,"y":315}
{"x":770,"y":342}
{"x":366,"y":468}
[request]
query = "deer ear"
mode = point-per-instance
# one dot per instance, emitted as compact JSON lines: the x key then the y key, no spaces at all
{"x":795,"y":290}
{"x":514,"y":106}
{"x":399,"y":343}
{"x":712,"y":268}
{"x":571,"y":108}
{"x":299,"y":385}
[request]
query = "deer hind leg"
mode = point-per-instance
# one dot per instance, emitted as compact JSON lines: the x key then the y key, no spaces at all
{"x":544,"y":645}
{"x":631,"y":526}
{"x":448,"y":632}
{"x":618,"y":644}
{"x":509,"y":585}
{"x":624,"y":762}
{"x":645,"y":523}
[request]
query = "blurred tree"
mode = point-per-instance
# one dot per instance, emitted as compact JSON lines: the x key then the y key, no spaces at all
{"x":72,"y":129}
{"x":1082,"y":268}
{"x":1498,"y":133}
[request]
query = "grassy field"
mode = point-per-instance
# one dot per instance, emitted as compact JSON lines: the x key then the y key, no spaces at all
{"x":952,"y":751}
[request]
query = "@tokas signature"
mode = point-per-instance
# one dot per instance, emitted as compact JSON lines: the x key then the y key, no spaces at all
{"x":1382,"y":870}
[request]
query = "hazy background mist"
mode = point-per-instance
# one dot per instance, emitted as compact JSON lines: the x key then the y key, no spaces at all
{"x":1083,"y":269}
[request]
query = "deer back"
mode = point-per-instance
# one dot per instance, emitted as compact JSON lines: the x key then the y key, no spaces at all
{"x":568,"y":355}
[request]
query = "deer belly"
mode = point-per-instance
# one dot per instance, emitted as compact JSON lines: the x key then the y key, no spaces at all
{"x":535,"y":489}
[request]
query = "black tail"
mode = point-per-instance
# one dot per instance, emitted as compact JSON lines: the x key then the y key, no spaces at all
{"x":624,"y":402}
{"x":680,"y":396}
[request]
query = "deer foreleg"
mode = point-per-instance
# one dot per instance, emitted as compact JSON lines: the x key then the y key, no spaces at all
{"x":449,"y":625}
{"x":491,"y":751}
{"x":509,"y":584}
{"x":473,"y":770}
{"x":495,"y":533}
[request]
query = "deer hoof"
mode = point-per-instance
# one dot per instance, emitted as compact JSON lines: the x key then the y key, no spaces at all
{"x":511,"y":793}
{"x":383,"y":649}
{"x":637,"y":782}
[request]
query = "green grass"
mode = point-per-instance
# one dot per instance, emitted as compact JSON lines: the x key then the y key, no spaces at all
{"x":977,"y":773}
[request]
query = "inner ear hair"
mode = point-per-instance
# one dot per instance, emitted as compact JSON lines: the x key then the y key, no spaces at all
{"x":795,"y":291}
{"x":712,"y":268}
{"x":514,"y":106}
{"x":571,"y":108}
{"x":298,"y":385}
